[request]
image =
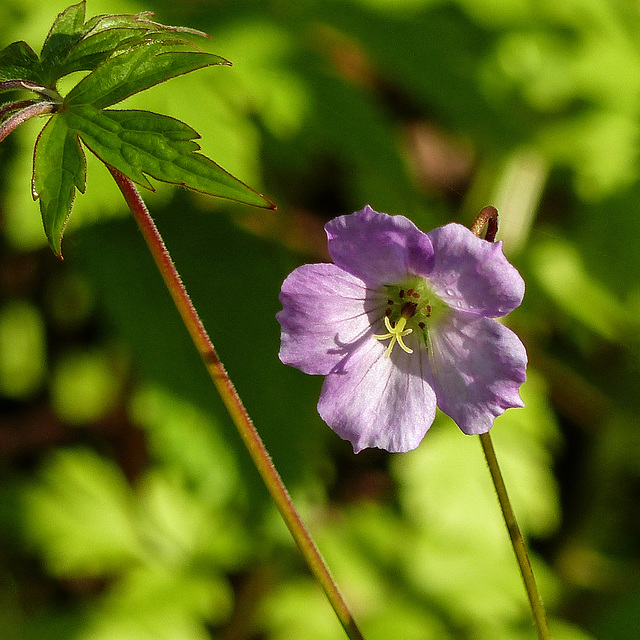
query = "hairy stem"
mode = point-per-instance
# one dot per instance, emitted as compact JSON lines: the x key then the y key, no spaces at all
{"x":489,"y":216}
{"x":32,"y":109}
{"x":234,"y":405}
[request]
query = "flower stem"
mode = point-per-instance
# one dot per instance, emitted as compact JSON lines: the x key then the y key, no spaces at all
{"x":489,"y":216}
{"x":517,"y":541}
{"x":233,"y":403}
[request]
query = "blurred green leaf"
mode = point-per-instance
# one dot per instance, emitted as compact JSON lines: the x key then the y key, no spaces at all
{"x":159,"y":603}
{"x":463,"y":560}
{"x":81,"y":516}
{"x":85,"y":385}
{"x":218,"y":264}
{"x":22,"y":349}
{"x":560,"y":271}
{"x":184,"y":438}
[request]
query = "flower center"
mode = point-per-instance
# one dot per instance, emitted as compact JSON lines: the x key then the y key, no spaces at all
{"x":411,"y":305}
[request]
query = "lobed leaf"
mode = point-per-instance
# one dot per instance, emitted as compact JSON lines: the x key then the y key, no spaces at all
{"x":97,"y":47}
{"x":124,"y":54}
{"x":141,"y":144}
{"x":19,"y":61}
{"x":106,"y":34}
{"x":67,"y":30}
{"x":58,"y":170}
{"x":135,"y":70}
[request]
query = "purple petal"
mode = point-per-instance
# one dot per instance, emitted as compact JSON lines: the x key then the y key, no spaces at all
{"x":472,"y":274}
{"x":479,"y":366}
{"x":325,"y":311}
{"x":378,"y":248}
{"x":374,"y":401}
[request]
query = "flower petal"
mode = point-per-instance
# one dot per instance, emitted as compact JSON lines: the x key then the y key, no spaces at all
{"x":325,"y":311}
{"x":378,"y":248}
{"x":374,"y":401}
{"x":479,"y":367}
{"x":472,"y":274}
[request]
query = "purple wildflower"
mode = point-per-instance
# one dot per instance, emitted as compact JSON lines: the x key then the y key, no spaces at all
{"x":403,"y":321}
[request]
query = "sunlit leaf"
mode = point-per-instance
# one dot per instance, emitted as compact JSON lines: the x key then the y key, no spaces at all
{"x":139,"y":142}
{"x":135,"y":70}
{"x":93,"y":50}
{"x":108,"y":34}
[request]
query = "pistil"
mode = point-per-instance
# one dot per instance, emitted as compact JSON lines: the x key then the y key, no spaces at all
{"x":396,"y":333}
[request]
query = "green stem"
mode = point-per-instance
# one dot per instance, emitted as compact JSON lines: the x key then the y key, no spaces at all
{"x":517,"y":541}
{"x":234,"y":405}
{"x":489,"y":216}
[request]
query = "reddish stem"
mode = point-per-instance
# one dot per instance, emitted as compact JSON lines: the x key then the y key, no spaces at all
{"x":33,"y":109}
{"x":233,"y":403}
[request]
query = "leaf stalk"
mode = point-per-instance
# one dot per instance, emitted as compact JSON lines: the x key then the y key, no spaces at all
{"x":33,"y":109}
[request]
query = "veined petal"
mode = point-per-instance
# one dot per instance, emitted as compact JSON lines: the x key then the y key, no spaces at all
{"x":472,"y":274}
{"x":479,"y":367}
{"x":325,"y":312}
{"x":378,"y":248}
{"x":374,"y":401}
{"x":403,"y":319}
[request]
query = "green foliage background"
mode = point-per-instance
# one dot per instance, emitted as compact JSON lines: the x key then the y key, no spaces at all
{"x":128,"y":508}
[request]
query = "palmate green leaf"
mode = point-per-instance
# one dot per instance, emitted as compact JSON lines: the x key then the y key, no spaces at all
{"x":135,"y":70}
{"x":140,"y":143}
{"x":125,"y":54}
{"x":58,"y":170}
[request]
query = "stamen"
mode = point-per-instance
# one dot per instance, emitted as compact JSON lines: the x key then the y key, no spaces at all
{"x":396,"y":333}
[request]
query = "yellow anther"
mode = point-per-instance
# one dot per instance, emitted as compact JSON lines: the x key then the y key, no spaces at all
{"x":396,"y":334}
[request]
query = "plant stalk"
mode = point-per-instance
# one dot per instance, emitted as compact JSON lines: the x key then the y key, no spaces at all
{"x":489,"y":216}
{"x":233,"y":403}
{"x":517,"y":541}
{"x":27,"y":109}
